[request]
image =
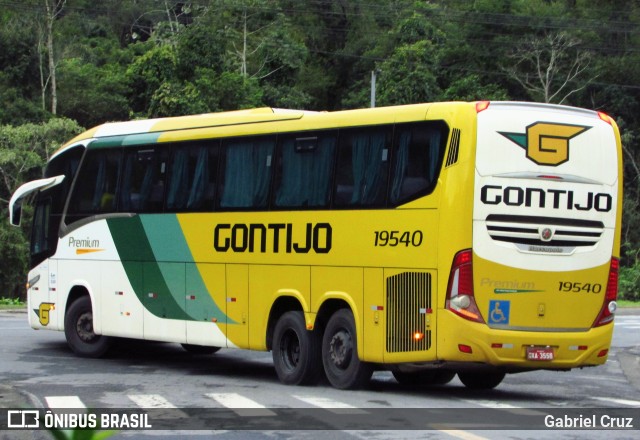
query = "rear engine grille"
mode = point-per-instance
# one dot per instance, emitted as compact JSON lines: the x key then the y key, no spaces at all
{"x":544,"y":231}
{"x":452,"y":157}
{"x":408,"y":302}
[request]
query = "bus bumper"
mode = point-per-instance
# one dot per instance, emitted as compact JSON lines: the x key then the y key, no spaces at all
{"x":463,"y":341}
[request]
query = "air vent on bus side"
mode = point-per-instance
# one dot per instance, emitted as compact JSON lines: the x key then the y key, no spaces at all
{"x":408,"y":303}
{"x":454,"y":146}
{"x":544,"y":232}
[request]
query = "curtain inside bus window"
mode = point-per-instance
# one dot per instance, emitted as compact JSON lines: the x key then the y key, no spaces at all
{"x":401,"y":161}
{"x":369,"y":176}
{"x":125,"y":193}
{"x":142,"y":186}
{"x":306,"y":165}
{"x":247,"y":173}
{"x":200,"y":179}
{"x":417,"y":159}
{"x":99,"y":188}
{"x":94,"y":190}
{"x":179,"y":180}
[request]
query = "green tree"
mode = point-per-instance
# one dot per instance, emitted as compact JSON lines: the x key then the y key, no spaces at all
{"x":24,"y":150}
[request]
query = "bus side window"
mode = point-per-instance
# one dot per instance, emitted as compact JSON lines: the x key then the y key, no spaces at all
{"x":417,"y":157}
{"x":305,"y":165}
{"x":142,"y":185}
{"x":95,"y":186}
{"x":362,"y":173}
{"x":192,"y":178}
{"x":246,"y":172}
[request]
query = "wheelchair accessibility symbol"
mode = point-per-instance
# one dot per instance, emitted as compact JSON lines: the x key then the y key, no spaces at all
{"x":499,"y":312}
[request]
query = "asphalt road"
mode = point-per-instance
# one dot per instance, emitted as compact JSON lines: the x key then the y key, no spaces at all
{"x":238,"y":393}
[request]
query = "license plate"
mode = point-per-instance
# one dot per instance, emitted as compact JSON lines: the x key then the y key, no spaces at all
{"x":540,"y":354}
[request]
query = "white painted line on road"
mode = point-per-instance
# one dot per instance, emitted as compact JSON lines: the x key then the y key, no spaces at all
{"x":150,"y":401}
{"x":241,"y":405}
{"x":464,"y":435}
{"x":156,"y":401}
{"x":330,"y":404}
{"x":504,"y":406}
{"x":60,"y":402}
{"x":635,"y":403}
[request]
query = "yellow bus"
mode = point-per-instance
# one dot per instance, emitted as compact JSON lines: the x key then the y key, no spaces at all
{"x":476,"y":239}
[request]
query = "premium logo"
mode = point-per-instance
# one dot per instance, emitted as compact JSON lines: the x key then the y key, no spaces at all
{"x":546,"y":143}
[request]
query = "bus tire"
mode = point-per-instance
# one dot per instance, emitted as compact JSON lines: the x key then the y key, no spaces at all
{"x":480,"y":380}
{"x":296,"y":351}
{"x":343,"y":368}
{"x":78,"y":329}
{"x":199,"y":349}
{"x":424,"y":378}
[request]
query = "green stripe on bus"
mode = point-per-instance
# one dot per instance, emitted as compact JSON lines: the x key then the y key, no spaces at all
{"x":157,"y":228}
{"x":135,"y":252}
{"x":131,"y":139}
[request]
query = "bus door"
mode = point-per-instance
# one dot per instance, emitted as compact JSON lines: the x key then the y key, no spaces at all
{"x":42,"y":282}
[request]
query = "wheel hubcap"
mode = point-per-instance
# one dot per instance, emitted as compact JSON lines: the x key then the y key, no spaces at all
{"x":84,"y":327}
{"x":341,"y":349}
{"x":290,"y":349}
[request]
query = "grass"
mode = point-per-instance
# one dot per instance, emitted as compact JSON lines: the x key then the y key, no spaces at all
{"x":624,"y":303}
{"x":11,"y":303}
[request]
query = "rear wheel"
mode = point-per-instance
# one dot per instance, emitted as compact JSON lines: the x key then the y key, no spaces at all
{"x":424,"y":378}
{"x":296,"y":351}
{"x":476,"y":380}
{"x":340,"y":353}
{"x":78,"y":329}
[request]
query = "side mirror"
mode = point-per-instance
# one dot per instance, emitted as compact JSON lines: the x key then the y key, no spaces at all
{"x":15,"y":204}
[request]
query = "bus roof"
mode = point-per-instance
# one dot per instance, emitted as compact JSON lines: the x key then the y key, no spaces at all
{"x":172,"y":128}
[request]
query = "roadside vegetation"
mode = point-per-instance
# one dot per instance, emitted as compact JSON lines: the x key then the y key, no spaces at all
{"x":68,"y":65}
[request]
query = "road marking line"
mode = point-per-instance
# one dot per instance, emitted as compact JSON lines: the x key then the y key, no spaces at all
{"x":64,"y":402}
{"x":504,"y":406}
{"x":241,"y":405}
{"x":150,"y":401}
{"x":635,"y":403}
{"x":464,"y":435}
{"x":157,"y":402}
{"x":331,"y":405}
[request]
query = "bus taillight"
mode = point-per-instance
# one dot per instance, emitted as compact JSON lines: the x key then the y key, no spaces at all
{"x":606,"y":118}
{"x":482,"y":106}
{"x":609,"y":305}
{"x":460,"y":299}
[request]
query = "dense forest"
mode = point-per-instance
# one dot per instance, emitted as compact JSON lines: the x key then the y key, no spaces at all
{"x":67,"y":65}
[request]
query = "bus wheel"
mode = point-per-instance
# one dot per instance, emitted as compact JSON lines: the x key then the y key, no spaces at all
{"x":78,"y":329}
{"x":340,"y":353}
{"x":199,"y":349}
{"x":480,"y":380}
{"x":424,"y":377}
{"x":296,"y":351}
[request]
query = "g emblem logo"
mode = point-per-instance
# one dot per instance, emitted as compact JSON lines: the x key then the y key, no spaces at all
{"x":43,"y":312}
{"x":546,"y":143}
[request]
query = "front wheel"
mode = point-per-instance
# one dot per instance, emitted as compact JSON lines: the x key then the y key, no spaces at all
{"x":340,"y":353}
{"x":481,"y":380}
{"x":78,"y":329}
{"x":296,"y":351}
